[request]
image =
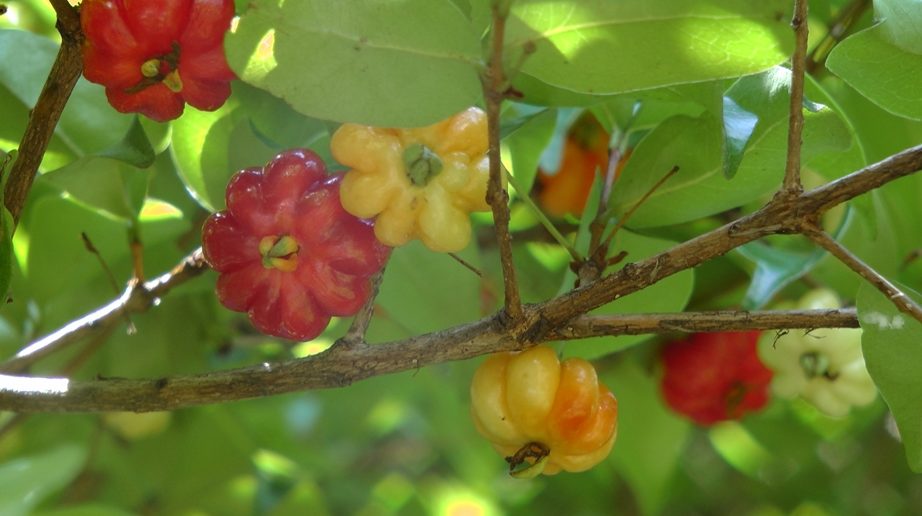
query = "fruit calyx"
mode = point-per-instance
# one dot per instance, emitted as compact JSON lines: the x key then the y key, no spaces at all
{"x":422,"y":164}
{"x":163,"y":68}
{"x":279,"y":252}
{"x":529,"y":461}
{"x":817,"y":364}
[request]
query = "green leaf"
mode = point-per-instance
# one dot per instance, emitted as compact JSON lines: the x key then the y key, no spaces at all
{"x":201,"y":142}
{"x":696,"y":146}
{"x":425,"y":291}
{"x":134,"y":149}
{"x":651,"y":439}
{"x":612,"y":47}
{"x":90,"y":509}
{"x":88,"y":123}
{"x":109,"y":180}
{"x":775,"y":269}
{"x":526,"y":145}
{"x":275,"y":120}
{"x":901,"y":21}
{"x":403,"y":64}
{"x":55,"y":228}
{"x":28,"y":480}
{"x":738,"y":127}
{"x":102,"y":184}
{"x":890,"y":342}
{"x":886,"y":74}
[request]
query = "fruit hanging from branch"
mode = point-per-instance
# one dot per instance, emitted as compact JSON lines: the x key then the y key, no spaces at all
{"x":286,"y":251}
{"x":544,"y":415}
{"x":155,"y":57}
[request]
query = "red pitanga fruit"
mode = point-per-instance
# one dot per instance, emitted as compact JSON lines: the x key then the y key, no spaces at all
{"x":155,"y":56}
{"x":712,"y":377}
{"x":287,"y":252}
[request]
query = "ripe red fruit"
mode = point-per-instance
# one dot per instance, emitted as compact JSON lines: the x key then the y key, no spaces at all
{"x":713,"y":377}
{"x":287,"y":252}
{"x":154,"y":56}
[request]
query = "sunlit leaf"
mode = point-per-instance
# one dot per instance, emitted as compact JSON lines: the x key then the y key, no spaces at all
{"x":888,"y":75}
{"x":601,"y":46}
{"x":403,"y":64}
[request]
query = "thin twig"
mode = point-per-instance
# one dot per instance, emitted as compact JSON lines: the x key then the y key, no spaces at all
{"x":792,"y":185}
{"x":112,"y":281}
{"x":545,"y":222}
{"x":627,"y":215}
{"x":494,"y":85}
{"x":902,"y":302}
{"x":43,"y":119}
{"x":136,"y":298}
{"x":466,"y":264}
{"x":359,"y":327}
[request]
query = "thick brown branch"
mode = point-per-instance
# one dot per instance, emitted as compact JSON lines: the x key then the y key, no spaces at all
{"x":494,"y":86}
{"x":343,"y":365}
{"x":903,"y":302}
{"x":792,"y":185}
{"x":702,"y":322}
{"x":136,"y":298}
{"x":782,"y":215}
{"x":65,"y":71}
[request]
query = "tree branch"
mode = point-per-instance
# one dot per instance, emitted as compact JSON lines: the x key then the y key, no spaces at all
{"x":792,"y":185}
{"x":494,"y":91}
{"x":903,"y":302}
{"x":703,"y":322}
{"x":137,"y":297}
{"x":67,"y":67}
{"x":342,"y":365}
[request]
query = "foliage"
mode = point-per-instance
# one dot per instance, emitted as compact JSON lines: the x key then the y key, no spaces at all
{"x":701,"y":85}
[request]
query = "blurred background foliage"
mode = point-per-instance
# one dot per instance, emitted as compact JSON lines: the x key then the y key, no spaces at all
{"x":404,"y":444}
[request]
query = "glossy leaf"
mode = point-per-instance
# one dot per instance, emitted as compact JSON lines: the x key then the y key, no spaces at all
{"x":201,"y":148}
{"x":376,"y":63}
{"x":901,"y":21}
{"x":738,"y":127}
{"x":888,"y":75}
{"x":102,"y":184}
{"x":605,"y":47}
{"x":890,"y":342}
{"x":696,"y":145}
